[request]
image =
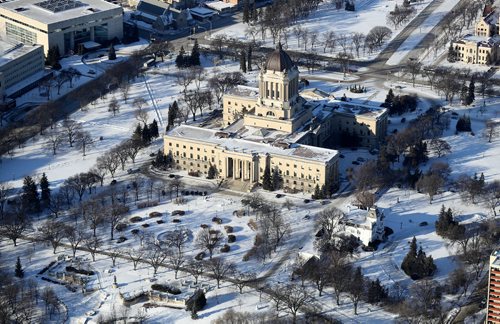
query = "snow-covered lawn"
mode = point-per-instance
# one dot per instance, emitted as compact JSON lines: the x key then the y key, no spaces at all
{"x":368,"y":14}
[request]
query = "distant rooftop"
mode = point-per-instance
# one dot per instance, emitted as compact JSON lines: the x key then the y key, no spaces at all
{"x":53,"y":11}
{"x":219,"y":5}
{"x":244,"y":91}
{"x":304,"y":152}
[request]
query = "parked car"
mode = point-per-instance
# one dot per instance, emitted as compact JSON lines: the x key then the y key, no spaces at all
{"x":279,"y":195}
{"x":130,"y":171}
{"x":355,"y":162}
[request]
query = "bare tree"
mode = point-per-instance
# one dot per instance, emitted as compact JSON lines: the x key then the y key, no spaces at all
{"x":75,"y":235}
{"x":156,"y":254}
{"x":209,"y":239}
{"x":71,"y":128}
{"x":5,"y":190}
{"x":294,"y":298}
{"x":115,"y":215}
{"x":244,"y":279}
{"x":430,"y":184}
{"x":93,"y":214}
{"x":14,"y":225}
{"x":357,"y":41}
{"x":492,"y":129}
{"x":84,"y":141}
{"x":92,"y":244}
{"x":77,"y":184}
{"x":365,"y":199}
{"x":176,"y":260}
{"x":219,"y":269}
{"x":491,"y":196}
{"x":142,"y":116}
{"x":175,"y":185}
{"x":54,"y":232}
{"x":114,"y":106}
{"x":135,"y":255}
{"x":440,"y":147}
{"x":413,"y":67}
{"x":139,"y":103}
{"x":54,"y":141}
{"x":132,"y":147}
{"x":176,"y":238}
{"x":125,"y":89}
{"x":195,"y":268}
{"x":110,"y":161}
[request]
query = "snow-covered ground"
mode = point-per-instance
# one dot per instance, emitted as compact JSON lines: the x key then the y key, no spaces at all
{"x":418,"y":34}
{"x":470,"y":154}
{"x":368,"y":14}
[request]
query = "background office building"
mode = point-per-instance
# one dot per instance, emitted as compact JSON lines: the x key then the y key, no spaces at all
{"x":66,"y":24}
{"x":17,"y":63}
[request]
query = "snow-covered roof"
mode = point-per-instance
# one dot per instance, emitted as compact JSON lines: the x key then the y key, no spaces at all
{"x":355,"y":109}
{"x":10,"y":51}
{"x":219,"y":5}
{"x":481,"y":40}
{"x":53,"y":11}
{"x":202,"y":12}
{"x":295,"y":151}
{"x":244,"y":91}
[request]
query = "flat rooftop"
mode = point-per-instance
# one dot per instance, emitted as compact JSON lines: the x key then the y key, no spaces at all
{"x":304,"y":152}
{"x":53,"y":11}
{"x":10,"y":51}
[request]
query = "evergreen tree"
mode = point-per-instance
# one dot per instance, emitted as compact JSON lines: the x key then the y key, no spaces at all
{"x":212,"y":172}
{"x":325,"y":191}
{"x":472,"y":89}
{"x":180,"y":60}
{"x":153,"y":129}
{"x":317,"y":192}
{"x":389,"y":99}
{"x":146,"y":135}
{"x":111,"y":53}
{"x":29,"y":197}
{"x":53,"y":56}
{"x":267,"y":183}
{"x":376,"y":292}
{"x":173,"y":111}
{"x":194,"y":59}
{"x":464,"y":95}
{"x":246,"y":12}
{"x":19,"y":272}
{"x":243,"y":62}
{"x":254,"y":15}
{"x":416,"y":264}
{"x":137,"y":135}
{"x":277,"y":179}
{"x":452,"y":54}
{"x":249,"y":58}
{"x":44,"y":187}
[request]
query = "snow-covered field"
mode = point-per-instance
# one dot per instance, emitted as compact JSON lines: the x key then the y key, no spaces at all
{"x":470,"y":154}
{"x":368,"y":14}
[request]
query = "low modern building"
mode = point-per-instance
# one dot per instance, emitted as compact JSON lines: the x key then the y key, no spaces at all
{"x":66,"y":24}
{"x":493,"y":302}
{"x":302,"y":167}
{"x":17,"y":63}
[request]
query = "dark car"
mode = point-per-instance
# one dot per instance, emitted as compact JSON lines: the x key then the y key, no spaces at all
{"x":355,"y":162}
{"x":279,"y":195}
{"x":306,"y":201}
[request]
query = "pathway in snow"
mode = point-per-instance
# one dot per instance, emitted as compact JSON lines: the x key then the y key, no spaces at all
{"x":153,"y":100}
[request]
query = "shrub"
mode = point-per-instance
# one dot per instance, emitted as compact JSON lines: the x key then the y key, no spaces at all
{"x":121,"y":227}
{"x":79,"y":271}
{"x":200,"y":256}
{"x":179,"y":201}
{"x":121,"y":239}
{"x":194,"y":173}
{"x":217,"y":220}
{"x":213,"y":231}
{"x":178,"y":213}
{"x":229,"y":229}
{"x":135,"y":231}
{"x":146,"y":204}
{"x":166,"y":288}
{"x":155,"y":214}
{"x":231,"y":238}
{"x":146,"y":225}
{"x":160,"y":221}
{"x":226,"y":248}
{"x":47,"y":267}
{"x":136,"y":219}
{"x":204,"y":226}
{"x":176,"y":220}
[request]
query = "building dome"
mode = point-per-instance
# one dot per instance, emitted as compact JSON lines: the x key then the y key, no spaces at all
{"x":279,"y":61}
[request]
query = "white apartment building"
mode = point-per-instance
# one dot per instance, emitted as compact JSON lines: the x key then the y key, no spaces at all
{"x":62,"y":23}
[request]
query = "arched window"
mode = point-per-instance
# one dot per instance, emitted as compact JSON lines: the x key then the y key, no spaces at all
{"x":270,"y":113}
